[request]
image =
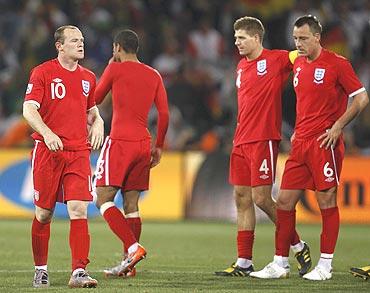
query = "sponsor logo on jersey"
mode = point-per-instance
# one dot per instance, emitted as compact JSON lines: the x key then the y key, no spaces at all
{"x":262,"y":67}
{"x":319,"y":75}
{"x":85,"y":87}
{"x":264,"y":176}
{"x":29,"y":88}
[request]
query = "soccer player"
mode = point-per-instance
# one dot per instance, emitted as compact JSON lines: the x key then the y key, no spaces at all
{"x":323,"y":82}
{"x":127,"y":155}
{"x":261,"y":75}
{"x":363,"y":272}
{"x":59,"y":105}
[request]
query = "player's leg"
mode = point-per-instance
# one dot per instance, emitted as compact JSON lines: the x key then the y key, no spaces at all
{"x":284,"y":234}
{"x":329,"y":234}
{"x":263,"y":176}
{"x":46,"y":176}
{"x":40,"y":244}
{"x":79,"y":242}
{"x":77,"y":193}
{"x":246,"y":220}
{"x":326,"y":167}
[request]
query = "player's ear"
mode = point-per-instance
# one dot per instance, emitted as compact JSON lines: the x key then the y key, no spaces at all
{"x":58,"y":46}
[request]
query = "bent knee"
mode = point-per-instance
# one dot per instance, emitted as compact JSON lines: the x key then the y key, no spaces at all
{"x":77,"y":209}
{"x":44,"y":216}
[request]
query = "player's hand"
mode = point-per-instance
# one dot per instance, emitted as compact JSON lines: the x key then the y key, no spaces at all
{"x":96,"y":133}
{"x":156,"y":156}
{"x":53,"y":142}
{"x":330,"y":137}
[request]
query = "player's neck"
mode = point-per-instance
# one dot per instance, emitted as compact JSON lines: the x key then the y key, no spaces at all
{"x":129,"y":57}
{"x":255,"y":54}
{"x":315,"y":54}
{"x":68,"y":63}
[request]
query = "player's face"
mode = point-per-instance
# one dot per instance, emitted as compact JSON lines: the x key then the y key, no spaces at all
{"x":73,"y":46}
{"x":246,"y":43}
{"x":306,"y":42}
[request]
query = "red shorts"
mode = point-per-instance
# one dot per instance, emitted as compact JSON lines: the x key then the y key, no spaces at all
{"x":124,"y":164}
{"x":312,"y":167}
{"x":60,"y":176}
{"x":254,"y":164}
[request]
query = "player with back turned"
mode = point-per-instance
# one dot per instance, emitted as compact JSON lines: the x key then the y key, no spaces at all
{"x":127,"y":154}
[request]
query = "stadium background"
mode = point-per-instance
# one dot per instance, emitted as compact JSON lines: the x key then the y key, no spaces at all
{"x":191,"y":44}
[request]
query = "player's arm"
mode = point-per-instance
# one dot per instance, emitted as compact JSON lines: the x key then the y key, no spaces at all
{"x":104,"y":85}
{"x":96,"y":130}
{"x":32,"y":116}
{"x":162,"y":123}
{"x":359,"y":102}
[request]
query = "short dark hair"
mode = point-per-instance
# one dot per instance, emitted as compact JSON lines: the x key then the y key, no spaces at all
{"x":128,"y":40}
{"x":59,"y":33}
{"x":312,"y":21}
{"x":251,"y":25}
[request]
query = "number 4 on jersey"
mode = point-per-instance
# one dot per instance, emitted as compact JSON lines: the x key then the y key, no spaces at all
{"x":264,"y":168}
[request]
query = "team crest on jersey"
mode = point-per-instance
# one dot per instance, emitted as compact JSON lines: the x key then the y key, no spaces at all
{"x":319,"y":75}
{"x":29,"y":88}
{"x":262,"y":67}
{"x":85,"y":87}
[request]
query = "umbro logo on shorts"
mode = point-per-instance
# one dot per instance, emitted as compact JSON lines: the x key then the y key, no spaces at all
{"x":329,"y":179}
{"x":264,"y":176}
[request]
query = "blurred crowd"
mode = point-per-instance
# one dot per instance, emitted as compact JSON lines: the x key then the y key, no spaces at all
{"x":191,"y":43}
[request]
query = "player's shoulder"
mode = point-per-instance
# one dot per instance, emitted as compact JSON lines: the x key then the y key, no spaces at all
{"x":151,"y":71}
{"x":45,"y":66}
{"x":87,"y":72}
{"x":333,"y":55}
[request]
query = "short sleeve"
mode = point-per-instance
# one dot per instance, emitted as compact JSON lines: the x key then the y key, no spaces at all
{"x":91,"y":98}
{"x":35,"y":88}
{"x":348,"y":79}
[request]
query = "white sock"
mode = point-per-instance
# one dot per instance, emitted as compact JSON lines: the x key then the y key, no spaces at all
{"x":106,"y":206}
{"x":132,"y":215}
{"x":76,"y":271}
{"x":133,"y":248}
{"x":325,"y":261}
{"x":282,"y":261}
{"x":297,"y":247}
{"x":44,"y":267}
{"x":244,"y":262}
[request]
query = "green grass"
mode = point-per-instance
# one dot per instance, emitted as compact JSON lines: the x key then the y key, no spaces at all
{"x":182,"y":257}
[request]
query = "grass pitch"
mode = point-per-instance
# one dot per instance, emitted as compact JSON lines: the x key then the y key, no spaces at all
{"x":182,"y":257}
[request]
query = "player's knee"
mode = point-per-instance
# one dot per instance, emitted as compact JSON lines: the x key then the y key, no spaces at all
{"x":77,"y":210}
{"x":43,"y":216}
{"x":262,"y":201}
{"x":284,"y":203}
{"x":130,"y":207}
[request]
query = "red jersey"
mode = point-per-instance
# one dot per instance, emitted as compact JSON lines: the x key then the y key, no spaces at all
{"x":135,"y":87}
{"x":62,"y":98}
{"x":260,"y":83}
{"x":322,"y":88}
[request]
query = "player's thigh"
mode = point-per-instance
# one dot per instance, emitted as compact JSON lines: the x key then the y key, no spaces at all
{"x":263,"y":162}
{"x":47,"y":169}
{"x":114,"y":162}
{"x":326,"y":165}
{"x":240,"y":171}
{"x":296,"y":176}
{"x":138,"y":176}
{"x":77,"y":176}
